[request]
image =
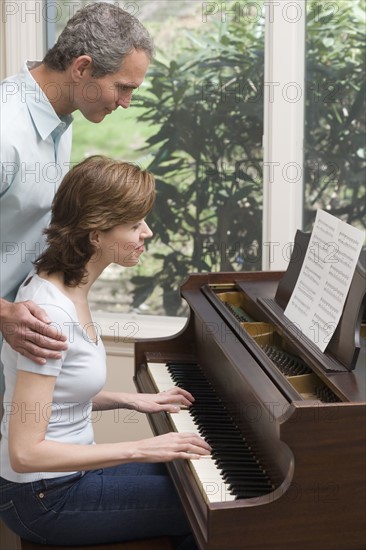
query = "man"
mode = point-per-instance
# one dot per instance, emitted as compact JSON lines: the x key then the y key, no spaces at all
{"x":99,"y":59}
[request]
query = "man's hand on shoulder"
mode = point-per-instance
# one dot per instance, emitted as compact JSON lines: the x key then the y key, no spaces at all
{"x":26,"y":327}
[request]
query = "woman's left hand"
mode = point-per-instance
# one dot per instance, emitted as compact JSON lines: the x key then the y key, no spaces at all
{"x":169,"y":401}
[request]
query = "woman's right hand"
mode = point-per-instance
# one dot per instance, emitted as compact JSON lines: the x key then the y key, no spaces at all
{"x":171,"y":446}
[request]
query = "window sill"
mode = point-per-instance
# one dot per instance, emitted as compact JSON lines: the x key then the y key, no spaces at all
{"x":129,"y":327}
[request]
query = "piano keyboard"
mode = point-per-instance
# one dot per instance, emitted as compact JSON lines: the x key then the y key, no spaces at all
{"x":232,"y":471}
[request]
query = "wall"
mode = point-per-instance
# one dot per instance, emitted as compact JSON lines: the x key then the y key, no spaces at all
{"x":123,"y":424}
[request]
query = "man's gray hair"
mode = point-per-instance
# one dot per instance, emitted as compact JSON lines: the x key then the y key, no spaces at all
{"x":103,"y":31}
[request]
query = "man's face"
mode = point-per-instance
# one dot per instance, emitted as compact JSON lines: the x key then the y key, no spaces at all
{"x":98,"y":97}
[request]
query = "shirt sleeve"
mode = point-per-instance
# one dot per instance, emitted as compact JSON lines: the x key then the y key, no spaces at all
{"x":63,"y":322}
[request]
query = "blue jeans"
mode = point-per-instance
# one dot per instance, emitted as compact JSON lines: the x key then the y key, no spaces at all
{"x":126,"y":502}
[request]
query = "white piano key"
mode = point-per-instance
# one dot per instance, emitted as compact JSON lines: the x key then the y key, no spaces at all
{"x":207,"y":474}
{"x":160,"y":376}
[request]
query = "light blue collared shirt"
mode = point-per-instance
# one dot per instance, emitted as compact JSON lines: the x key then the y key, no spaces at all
{"x":35,"y":148}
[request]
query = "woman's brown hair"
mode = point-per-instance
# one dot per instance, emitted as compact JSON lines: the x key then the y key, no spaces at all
{"x":99,"y":193}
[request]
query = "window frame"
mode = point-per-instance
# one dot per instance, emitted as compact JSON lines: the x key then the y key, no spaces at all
{"x":283,"y":152}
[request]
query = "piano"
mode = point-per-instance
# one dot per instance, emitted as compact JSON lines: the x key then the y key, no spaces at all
{"x":287,"y":423}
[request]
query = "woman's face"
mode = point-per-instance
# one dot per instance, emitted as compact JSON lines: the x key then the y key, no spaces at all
{"x":123,"y":244}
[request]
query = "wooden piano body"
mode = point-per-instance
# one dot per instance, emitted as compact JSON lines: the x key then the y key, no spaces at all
{"x":313,"y":449}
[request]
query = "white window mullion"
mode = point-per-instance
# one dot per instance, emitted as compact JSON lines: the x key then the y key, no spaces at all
{"x":283,"y":129}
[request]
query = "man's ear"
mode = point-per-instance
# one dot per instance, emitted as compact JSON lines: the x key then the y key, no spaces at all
{"x":81,"y":66}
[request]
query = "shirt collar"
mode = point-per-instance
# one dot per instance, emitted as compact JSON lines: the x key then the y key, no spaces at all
{"x":44,"y":117}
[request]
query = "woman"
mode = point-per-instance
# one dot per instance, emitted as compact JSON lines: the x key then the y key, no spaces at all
{"x":57,"y":486}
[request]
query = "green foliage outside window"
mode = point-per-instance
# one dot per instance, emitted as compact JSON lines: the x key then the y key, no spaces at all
{"x":207,"y":160}
{"x":207,"y":154}
{"x":335,"y":111}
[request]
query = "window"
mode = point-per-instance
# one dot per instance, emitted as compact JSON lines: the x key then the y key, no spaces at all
{"x":227,"y":222}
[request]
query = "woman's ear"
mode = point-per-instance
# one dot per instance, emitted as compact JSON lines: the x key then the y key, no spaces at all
{"x":94,"y":238}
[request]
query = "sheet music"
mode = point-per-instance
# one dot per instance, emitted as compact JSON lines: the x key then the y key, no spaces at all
{"x":318,"y":298}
